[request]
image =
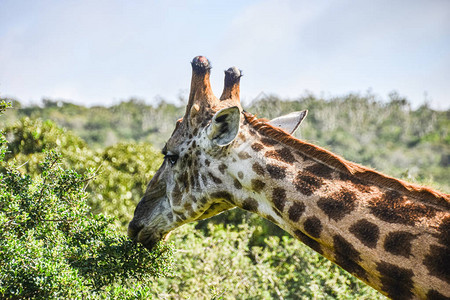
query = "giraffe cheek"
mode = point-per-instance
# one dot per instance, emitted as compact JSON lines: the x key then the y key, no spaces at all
{"x":176,"y":198}
{"x":176,"y":195}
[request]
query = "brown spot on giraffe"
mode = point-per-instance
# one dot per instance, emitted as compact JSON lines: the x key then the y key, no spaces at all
{"x":258,"y":169}
{"x":306,"y":183}
{"x":396,"y":281}
{"x":188,"y":207}
{"x":396,"y":208}
{"x":320,"y":171}
{"x":185,"y":181}
{"x":276,"y":172}
{"x":313,"y":226}
{"x":257,"y":147}
{"x":250,"y":204}
{"x":296,"y":210}
{"x":188,"y":162}
{"x":313,"y":244}
{"x":237,"y":184}
{"x":357,"y":183}
{"x":279,"y":198}
{"x":399,"y":243}
{"x":244,"y":155}
{"x":438,"y":262}
{"x":242,"y":137}
{"x":282,"y":154}
{"x":268,"y":141}
{"x":257,"y":185}
{"x":195,"y":184}
{"x":204,"y":179}
{"x":348,"y":257}
{"x":223,"y":195}
{"x":176,"y":195}
{"x":223,"y":168}
{"x":338,"y":205}
{"x":215,"y":179}
{"x":367,"y":232}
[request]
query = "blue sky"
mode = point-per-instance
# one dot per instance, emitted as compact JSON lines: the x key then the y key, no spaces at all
{"x":101,"y":52}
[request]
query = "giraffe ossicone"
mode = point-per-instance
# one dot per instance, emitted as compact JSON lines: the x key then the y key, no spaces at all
{"x":393,"y":235}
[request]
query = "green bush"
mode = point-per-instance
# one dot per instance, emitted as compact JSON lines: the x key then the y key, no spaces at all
{"x":52,"y":246}
{"x":28,"y":138}
{"x":122,"y":170}
{"x":126,"y":169}
{"x":221,"y":263}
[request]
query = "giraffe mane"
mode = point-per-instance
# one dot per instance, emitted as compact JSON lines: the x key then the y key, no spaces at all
{"x":332,"y":160}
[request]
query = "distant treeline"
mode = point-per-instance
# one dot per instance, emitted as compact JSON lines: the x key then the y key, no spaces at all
{"x":387,"y":135}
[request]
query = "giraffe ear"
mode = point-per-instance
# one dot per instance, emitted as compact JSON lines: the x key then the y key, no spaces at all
{"x":289,"y":122}
{"x":224,"y":126}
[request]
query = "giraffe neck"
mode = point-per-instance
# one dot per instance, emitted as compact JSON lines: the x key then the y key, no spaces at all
{"x":388,"y":237}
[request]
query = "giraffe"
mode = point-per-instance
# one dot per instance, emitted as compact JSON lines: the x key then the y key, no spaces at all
{"x":391,"y":234}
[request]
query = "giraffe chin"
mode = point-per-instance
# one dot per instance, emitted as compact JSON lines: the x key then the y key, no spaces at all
{"x":150,"y":243}
{"x":144,"y":237}
{"x":147,"y":240}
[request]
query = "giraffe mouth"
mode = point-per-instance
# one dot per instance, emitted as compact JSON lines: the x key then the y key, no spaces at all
{"x":143,"y":236}
{"x":149,"y":238}
{"x":150,"y":243}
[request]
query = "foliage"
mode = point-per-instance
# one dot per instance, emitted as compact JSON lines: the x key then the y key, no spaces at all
{"x":126,"y":169}
{"x":99,"y":126}
{"x":123,"y":170}
{"x":51,"y":246}
{"x":221,"y":263}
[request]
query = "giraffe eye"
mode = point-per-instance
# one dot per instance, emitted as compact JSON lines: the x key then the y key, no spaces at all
{"x":171,"y":158}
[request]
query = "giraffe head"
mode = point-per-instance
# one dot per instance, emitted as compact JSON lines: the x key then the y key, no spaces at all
{"x":192,"y":183}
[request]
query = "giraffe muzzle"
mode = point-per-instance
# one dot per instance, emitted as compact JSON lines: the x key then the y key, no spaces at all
{"x":133,"y":230}
{"x":143,"y":235}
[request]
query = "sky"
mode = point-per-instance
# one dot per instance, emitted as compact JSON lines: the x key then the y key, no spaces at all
{"x":103,"y":52}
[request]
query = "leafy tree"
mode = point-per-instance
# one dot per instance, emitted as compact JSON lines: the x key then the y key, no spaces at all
{"x":125,"y":170}
{"x":52,"y":246}
{"x":223,"y":263}
{"x":122,"y":170}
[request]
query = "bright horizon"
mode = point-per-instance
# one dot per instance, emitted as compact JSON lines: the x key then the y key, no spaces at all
{"x":103,"y":52}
